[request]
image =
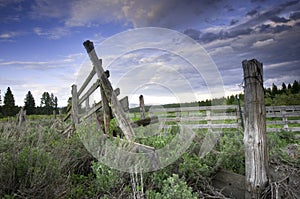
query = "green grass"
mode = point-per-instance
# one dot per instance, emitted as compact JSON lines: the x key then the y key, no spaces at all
{"x":37,"y":161}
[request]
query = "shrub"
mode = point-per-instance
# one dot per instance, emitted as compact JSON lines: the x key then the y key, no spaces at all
{"x":173,"y":188}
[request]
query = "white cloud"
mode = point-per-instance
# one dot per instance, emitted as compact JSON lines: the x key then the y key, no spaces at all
{"x":281,"y":64}
{"x":53,"y":33}
{"x":263,"y":43}
{"x":7,"y":35}
{"x":221,"y":50}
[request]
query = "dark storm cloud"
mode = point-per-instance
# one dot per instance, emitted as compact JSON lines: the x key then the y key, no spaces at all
{"x":194,"y":34}
{"x":267,"y":15}
{"x":251,"y":26}
{"x":221,"y":35}
{"x":279,"y":19}
{"x":252,"y":12}
{"x":295,"y":15}
{"x":267,"y":28}
{"x":264,"y":35}
{"x":234,"y":21}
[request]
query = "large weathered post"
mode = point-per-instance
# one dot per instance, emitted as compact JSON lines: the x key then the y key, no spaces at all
{"x":256,"y":155}
{"x":142,"y":107}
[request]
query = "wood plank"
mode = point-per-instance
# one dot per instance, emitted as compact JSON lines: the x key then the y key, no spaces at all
{"x":206,"y":126}
{"x":278,"y":130}
{"x":89,"y":92}
{"x":67,"y":116}
{"x":98,"y":106}
{"x":197,"y":108}
{"x":125,"y":103}
{"x":87,"y":81}
{"x":145,"y":121}
{"x":186,"y":119}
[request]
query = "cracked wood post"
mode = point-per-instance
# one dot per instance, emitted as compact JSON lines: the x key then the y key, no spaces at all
{"x":108,"y":91}
{"x":142,"y":107}
{"x":256,"y":154}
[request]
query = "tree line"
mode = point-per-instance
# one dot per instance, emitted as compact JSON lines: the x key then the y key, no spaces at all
{"x":48,"y":104}
{"x":288,"y":94}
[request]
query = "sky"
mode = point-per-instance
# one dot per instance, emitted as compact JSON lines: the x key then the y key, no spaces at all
{"x":41,"y":45}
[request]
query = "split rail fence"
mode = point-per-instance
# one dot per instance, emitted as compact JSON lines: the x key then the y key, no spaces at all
{"x":279,"y":118}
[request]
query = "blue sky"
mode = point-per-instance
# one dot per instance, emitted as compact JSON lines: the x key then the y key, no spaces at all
{"x":41,"y":43}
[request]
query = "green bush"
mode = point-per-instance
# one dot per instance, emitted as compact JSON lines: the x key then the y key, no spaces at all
{"x":173,"y":188}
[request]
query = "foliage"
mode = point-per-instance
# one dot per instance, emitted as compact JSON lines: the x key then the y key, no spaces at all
{"x":9,"y":108}
{"x":173,"y":188}
{"x":29,"y":104}
{"x":37,"y":161}
{"x":48,"y":103}
{"x":277,"y":143}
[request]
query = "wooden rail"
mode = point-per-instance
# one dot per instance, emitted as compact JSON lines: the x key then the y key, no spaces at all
{"x":279,"y":118}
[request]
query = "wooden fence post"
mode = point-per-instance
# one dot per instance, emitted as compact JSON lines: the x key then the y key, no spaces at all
{"x":106,"y":111}
{"x":75,"y":118}
{"x":54,"y":114}
{"x":208,"y":118}
{"x":60,"y":115}
{"x":142,"y":107}
{"x":108,"y":91}
{"x":256,"y":154}
{"x":21,"y":116}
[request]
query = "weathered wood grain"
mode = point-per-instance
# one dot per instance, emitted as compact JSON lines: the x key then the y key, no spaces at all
{"x":256,"y":154}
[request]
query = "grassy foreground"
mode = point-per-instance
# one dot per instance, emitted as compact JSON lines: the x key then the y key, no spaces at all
{"x":37,"y":161}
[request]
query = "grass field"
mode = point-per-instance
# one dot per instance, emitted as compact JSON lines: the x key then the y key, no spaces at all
{"x":37,"y":161}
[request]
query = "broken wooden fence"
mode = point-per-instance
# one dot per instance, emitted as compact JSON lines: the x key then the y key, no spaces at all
{"x":108,"y":107}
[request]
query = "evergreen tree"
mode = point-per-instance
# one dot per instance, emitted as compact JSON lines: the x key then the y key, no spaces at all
{"x":274,"y":89}
{"x":46,"y":103}
{"x":29,"y":104}
{"x":9,"y":108}
{"x":295,"y":87}
{"x":283,"y":89}
{"x":55,"y":103}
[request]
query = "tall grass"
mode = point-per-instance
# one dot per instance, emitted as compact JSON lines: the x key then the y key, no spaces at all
{"x":36,"y":161}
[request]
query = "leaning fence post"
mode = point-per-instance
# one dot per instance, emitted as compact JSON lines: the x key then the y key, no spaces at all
{"x":75,"y":118}
{"x":256,"y":155}
{"x":117,"y":110}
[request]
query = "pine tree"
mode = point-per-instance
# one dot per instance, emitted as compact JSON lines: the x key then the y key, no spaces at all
{"x":46,"y":103}
{"x":295,"y":87}
{"x":9,"y":108}
{"x":274,"y":90}
{"x":283,"y":89}
{"x":29,"y":104}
